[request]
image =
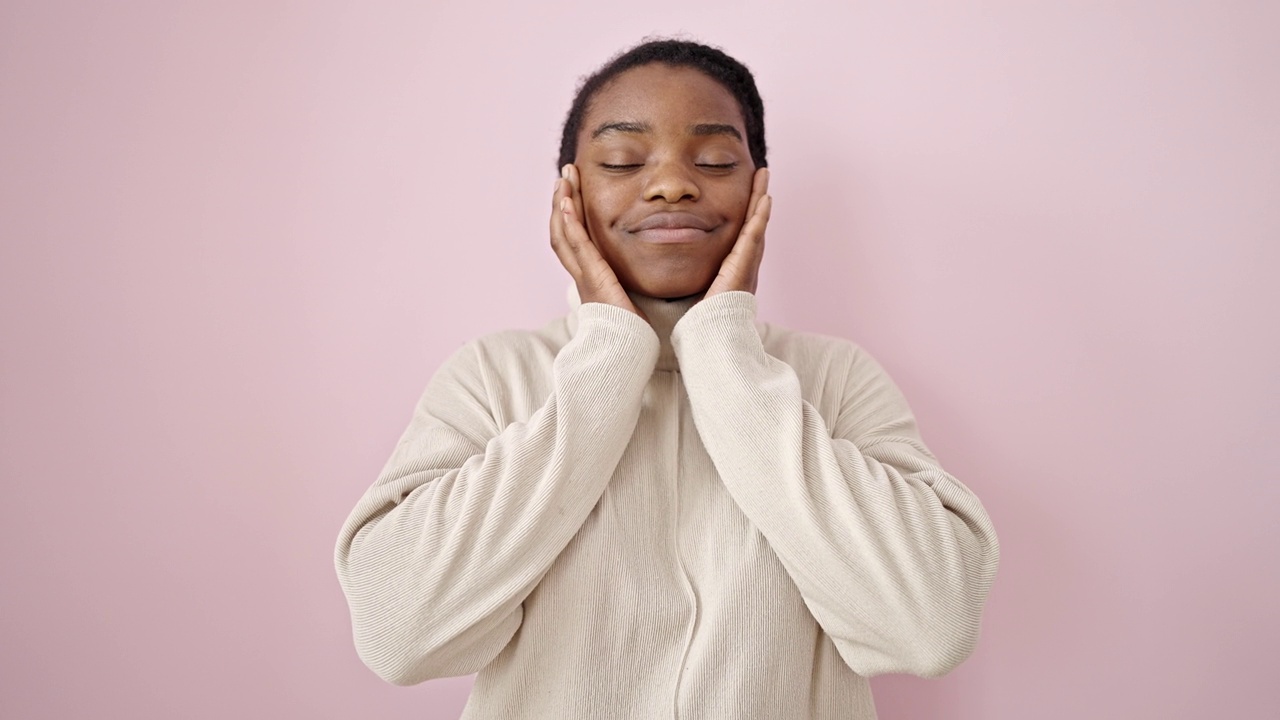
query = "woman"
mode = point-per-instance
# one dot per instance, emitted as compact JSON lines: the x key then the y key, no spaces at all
{"x":656,"y":506}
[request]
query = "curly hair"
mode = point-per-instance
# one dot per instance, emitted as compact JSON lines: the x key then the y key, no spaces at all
{"x":711,"y":61}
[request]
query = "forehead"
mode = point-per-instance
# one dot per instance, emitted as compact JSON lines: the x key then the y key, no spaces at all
{"x":663,"y":95}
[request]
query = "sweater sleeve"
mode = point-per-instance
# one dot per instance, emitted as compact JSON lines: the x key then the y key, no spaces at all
{"x":893,"y":556}
{"x":466,"y":517}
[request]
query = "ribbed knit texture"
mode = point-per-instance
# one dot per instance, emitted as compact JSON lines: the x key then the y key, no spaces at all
{"x":702,"y":516}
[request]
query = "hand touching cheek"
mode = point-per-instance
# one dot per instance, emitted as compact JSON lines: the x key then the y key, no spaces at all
{"x":741,"y":268}
{"x":572,"y":244}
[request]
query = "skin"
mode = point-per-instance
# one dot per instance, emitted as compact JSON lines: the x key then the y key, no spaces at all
{"x":659,"y":139}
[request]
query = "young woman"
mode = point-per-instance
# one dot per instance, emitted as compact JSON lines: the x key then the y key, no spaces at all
{"x":657,"y":506}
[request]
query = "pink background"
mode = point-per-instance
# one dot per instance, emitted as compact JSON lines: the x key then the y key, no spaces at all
{"x":239,"y":237}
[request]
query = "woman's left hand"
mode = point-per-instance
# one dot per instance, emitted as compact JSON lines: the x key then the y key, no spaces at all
{"x":741,"y":267}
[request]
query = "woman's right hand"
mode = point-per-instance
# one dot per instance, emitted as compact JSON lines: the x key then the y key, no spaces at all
{"x":596,"y":281}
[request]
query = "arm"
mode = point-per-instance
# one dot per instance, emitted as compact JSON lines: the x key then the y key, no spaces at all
{"x":466,"y":518}
{"x":893,"y":556}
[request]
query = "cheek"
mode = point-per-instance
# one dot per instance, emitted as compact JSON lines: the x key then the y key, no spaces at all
{"x":744,"y":192}
{"x":741,"y":203}
{"x":602,"y":207}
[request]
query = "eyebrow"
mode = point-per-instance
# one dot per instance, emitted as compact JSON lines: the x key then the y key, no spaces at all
{"x":639,"y":128}
{"x":716,"y":129}
{"x":622,"y":127}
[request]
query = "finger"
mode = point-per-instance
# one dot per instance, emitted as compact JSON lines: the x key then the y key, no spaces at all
{"x":559,"y":242}
{"x":757,"y":223}
{"x":750,"y":227}
{"x":595,"y":271}
{"x":743,"y":261}
{"x":555,"y":205}
{"x":755,"y":230}
{"x":759,"y":186}
{"x":578,"y":240}
{"x":577,"y":218}
{"x":575,"y":189}
{"x":561,"y":190}
{"x":751,"y":237}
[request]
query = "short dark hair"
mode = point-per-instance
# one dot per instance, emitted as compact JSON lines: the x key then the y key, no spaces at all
{"x":712,"y":62}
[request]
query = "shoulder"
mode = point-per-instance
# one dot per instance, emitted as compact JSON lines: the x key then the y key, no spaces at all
{"x":808,"y":348}
{"x":865,"y":400}
{"x":507,"y":354}
{"x":828,"y":359}
{"x":551,"y":337}
{"x":495,"y":378}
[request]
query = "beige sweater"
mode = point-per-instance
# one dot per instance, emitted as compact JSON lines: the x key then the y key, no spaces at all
{"x":701,"y":517}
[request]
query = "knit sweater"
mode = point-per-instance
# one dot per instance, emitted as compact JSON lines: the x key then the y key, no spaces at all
{"x":699,"y":516}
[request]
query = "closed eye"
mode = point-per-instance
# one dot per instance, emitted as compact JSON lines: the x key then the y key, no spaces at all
{"x":632,"y":166}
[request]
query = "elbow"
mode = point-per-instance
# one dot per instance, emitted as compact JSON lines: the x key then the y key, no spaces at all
{"x":948,"y":633}
{"x":412,"y":668}
{"x":927,"y":650}
{"x":383,"y":645}
{"x":927,"y":654}
{"x":941,"y":652}
{"x":404,"y":658}
{"x":394,"y":633}
{"x":927,"y":645}
{"x":407,"y":663}
{"x":402,"y":671}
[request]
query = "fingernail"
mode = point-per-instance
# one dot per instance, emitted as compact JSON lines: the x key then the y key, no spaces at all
{"x":564,"y":205}
{"x":564,"y":172}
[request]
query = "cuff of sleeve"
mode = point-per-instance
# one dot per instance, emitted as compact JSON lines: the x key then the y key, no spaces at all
{"x":726,"y":318}
{"x":611,"y":328}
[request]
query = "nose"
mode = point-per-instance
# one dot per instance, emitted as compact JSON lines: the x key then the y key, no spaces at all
{"x":672,"y":182}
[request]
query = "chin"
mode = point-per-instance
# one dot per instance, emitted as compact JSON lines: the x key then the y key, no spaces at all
{"x":669,"y":288}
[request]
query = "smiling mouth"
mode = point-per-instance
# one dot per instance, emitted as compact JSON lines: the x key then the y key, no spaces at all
{"x":671,"y":235}
{"x":672,"y":228}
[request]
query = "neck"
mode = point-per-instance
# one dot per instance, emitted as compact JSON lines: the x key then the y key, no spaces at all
{"x":662,"y":313}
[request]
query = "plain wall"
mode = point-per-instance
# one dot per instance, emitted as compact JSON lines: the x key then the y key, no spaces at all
{"x":238,"y":238}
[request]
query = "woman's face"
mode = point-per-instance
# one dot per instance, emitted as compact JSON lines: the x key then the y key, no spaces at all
{"x":665,"y":178}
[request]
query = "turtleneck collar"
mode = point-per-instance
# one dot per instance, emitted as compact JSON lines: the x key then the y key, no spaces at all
{"x":662,"y":314}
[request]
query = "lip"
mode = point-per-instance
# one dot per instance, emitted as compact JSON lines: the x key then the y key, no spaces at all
{"x":672,"y":227}
{"x":666,"y":236}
